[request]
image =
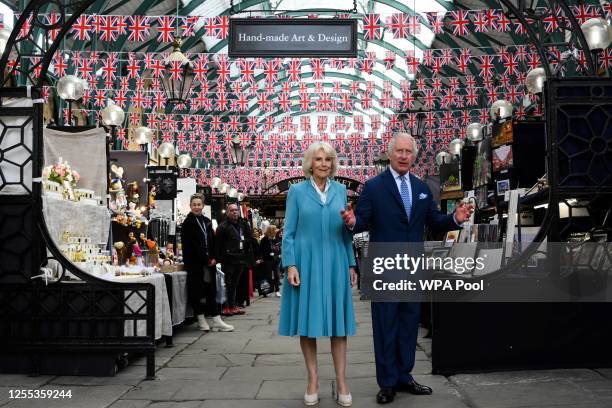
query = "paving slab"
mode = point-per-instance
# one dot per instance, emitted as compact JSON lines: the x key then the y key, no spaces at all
{"x":183,"y":404}
{"x":89,"y":397}
{"x":130,"y":404}
{"x":191,"y":373}
{"x":291,"y":389}
{"x":222,"y":389}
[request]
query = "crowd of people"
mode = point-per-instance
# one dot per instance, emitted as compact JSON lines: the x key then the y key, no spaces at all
{"x":245,"y":257}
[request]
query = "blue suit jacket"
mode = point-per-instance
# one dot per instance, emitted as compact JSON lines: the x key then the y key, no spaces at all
{"x":380,"y":210}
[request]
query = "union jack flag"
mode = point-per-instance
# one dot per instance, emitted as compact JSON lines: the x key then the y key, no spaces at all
{"x":372,"y":27}
{"x":294,"y":70}
{"x":436,"y":22}
{"x":138,"y":28}
{"x":398,"y":23}
{"x":81,"y":28}
{"x":165,"y":29}
{"x":460,"y":22}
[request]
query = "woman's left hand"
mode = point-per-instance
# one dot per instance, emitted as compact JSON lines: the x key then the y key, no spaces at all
{"x":353,"y":276}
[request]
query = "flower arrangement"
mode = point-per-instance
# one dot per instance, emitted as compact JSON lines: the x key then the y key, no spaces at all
{"x":61,"y":172}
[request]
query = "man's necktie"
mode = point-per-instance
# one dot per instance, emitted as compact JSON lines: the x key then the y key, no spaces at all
{"x":406,"y":196}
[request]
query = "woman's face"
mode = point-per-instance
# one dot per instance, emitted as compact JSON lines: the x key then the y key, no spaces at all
{"x":196,"y":206}
{"x":321,"y":165}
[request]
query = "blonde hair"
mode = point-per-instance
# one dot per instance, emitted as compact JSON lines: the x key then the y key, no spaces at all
{"x":403,"y":135}
{"x":271,"y":231}
{"x":313,"y":149}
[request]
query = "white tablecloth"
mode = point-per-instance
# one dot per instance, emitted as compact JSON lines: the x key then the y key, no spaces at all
{"x":77,"y":218}
{"x":179,"y":297}
{"x":163,"y":319}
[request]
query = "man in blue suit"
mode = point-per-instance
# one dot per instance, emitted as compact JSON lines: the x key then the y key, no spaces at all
{"x":396,"y":206}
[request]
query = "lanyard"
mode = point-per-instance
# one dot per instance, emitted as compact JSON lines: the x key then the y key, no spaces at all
{"x":203,"y":228}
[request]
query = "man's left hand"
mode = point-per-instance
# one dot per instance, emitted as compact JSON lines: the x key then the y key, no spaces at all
{"x":463,"y":212}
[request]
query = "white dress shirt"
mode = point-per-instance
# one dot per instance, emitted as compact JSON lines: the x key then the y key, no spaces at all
{"x":322,"y":194}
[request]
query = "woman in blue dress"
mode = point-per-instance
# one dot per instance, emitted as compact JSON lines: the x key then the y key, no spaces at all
{"x":317,"y":253}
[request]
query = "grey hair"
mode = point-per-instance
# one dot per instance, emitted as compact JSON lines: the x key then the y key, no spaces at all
{"x":312,"y":150}
{"x":227,"y":205}
{"x":403,"y":135}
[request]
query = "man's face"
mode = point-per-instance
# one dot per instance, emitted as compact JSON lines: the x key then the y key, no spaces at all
{"x":403,"y":155}
{"x":232,"y":212}
{"x":196,"y":206}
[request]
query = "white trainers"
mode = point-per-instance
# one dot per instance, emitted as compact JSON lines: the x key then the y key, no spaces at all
{"x":278,"y":294}
{"x":220,"y":325}
{"x":344,"y":400}
{"x":202,"y":323}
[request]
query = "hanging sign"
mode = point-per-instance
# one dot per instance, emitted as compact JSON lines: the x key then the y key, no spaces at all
{"x":292,"y":37}
{"x":351,"y":184}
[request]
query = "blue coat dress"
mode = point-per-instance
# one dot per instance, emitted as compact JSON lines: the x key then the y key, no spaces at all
{"x":317,"y":243}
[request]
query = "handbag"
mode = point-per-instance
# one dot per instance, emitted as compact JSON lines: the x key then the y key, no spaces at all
{"x":220,"y":278}
{"x":264,"y":287}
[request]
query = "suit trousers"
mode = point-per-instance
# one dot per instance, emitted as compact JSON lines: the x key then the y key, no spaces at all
{"x":395,"y":326}
{"x":233,"y":273}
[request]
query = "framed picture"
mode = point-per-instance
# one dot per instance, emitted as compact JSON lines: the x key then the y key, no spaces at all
{"x":503,"y":186}
{"x":451,"y":237}
{"x":502,"y":133}
{"x":449,"y":177}
{"x":502,"y":158}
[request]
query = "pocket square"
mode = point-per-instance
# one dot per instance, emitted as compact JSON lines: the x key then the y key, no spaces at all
{"x":422,"y":196}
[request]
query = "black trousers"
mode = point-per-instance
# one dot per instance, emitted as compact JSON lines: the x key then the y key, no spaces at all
{"x":233,"y":273}
{"x":203,"y":295}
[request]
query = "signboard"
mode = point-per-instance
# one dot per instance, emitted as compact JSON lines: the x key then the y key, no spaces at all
{"x":249,"y":37}
{"x":350,"y":184}
{"x":163,"y":182}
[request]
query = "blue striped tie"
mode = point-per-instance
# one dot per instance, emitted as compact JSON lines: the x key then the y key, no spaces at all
{"x":406,"y":196}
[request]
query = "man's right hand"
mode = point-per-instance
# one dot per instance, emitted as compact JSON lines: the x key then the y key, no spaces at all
{"x":348,"y":215}
{"x":293,"y":276}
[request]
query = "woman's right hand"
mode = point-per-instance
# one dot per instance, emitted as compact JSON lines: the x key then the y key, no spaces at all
{"x":293,"y":276}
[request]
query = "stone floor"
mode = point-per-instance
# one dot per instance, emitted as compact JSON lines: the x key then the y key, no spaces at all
{"x":253,"y":367}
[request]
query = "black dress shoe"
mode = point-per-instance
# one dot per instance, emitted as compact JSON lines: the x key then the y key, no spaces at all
{"x":385,"y":395}
{"x":413,"y":387}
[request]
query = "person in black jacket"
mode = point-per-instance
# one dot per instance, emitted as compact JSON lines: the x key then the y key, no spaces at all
{"x":198,"y":240}
{"x":233,"y":251}
{"x":270,"y":251}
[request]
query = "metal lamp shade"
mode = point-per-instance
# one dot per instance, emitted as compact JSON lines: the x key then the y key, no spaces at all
{"x":455,"y":146}
{"x":215,"y":182}
{"x":112,"y":115}
{"x":598,"y":33}
{"x":443,"y":157}
{"x":233,"y":193}
{"x":382,"y":163}
{"x":178,"y":77}
{"x":183,"y":161}
{"x":502,"y":108}
{"x":224,"y":188}
{"x":143,"y":135}
{"x":474,"y":132}
{"x":419,"y":129}
{"x":239,"y":153}
{"x":70,"y":88}
{"x":166,"y":150}
{"x":534,"y":81}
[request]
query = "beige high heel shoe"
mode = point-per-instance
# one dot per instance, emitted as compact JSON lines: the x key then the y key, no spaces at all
{"x":311,"y":399}
{"x":344,"y":400}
